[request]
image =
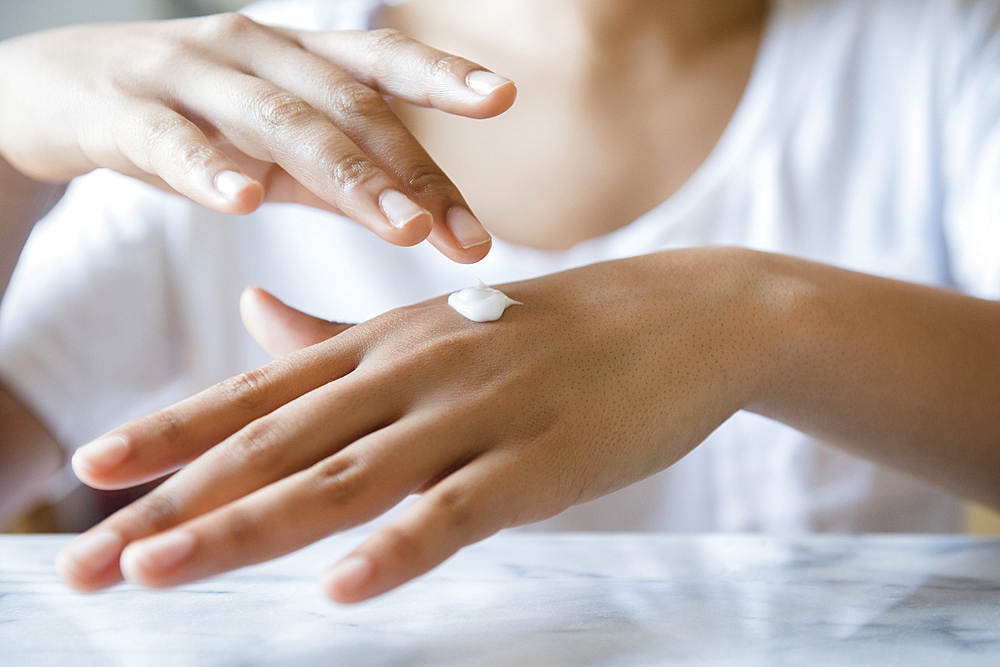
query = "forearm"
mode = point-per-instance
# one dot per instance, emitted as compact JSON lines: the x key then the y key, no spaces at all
{"x":23,"y":201}
{"x":905,"y":375}
{"x":28,"y":453}
{"x":28,"y":456}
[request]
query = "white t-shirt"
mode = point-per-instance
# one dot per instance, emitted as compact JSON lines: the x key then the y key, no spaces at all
{"x":868,"y":138}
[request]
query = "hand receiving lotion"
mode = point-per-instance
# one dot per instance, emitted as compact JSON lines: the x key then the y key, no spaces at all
{"x":481,"y":303}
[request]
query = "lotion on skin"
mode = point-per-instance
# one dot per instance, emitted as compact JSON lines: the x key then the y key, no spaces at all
{"x":481,"y":303}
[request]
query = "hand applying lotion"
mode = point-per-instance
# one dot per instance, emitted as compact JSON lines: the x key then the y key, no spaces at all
{"x":481,"y":303}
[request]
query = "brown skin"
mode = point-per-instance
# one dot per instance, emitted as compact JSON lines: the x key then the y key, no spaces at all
{"x":199,"y":97}
{"x":608,"y":374}
{"x":28,"y":452}
{"x":586,"y":390}
{"x":29,"y":456}
{"x":614,"y":117}
{"x":161,"y":115}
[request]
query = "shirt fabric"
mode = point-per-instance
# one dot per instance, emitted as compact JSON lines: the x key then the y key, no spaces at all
{"x":867,"y":138}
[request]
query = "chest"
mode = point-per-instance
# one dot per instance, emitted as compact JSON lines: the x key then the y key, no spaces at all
{"x":575,"y":159}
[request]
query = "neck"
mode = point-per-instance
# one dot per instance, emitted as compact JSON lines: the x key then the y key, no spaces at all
{"x":587,"y":28}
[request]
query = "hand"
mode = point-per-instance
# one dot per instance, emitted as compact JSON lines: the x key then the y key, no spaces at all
{"x":606,"y":375}
{"x":229,"y":113}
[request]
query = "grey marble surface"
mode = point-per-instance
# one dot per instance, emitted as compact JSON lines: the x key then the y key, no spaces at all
{"x":529,"y":599}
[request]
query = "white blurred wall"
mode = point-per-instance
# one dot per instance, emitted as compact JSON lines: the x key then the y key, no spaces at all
{"x":21,"y":16}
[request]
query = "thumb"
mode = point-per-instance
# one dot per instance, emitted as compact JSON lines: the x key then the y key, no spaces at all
{"x":281,"y":329}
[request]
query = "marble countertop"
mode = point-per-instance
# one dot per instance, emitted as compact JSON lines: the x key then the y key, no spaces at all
{"x":535,"y":599}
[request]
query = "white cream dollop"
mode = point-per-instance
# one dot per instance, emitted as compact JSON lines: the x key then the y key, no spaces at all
{"x":481,"y":303}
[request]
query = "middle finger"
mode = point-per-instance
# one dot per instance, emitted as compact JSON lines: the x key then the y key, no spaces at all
{"x":267,"y":122}
{"x":360,"y":112}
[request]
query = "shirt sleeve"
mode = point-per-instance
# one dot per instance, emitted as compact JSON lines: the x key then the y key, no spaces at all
{"x":971,"y":153}
{"x":86,"y":332}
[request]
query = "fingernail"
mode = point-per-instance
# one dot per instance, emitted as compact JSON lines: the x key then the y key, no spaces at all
{"x":157,"y":553}
{"x":91,"y":552}
{"x":399,"y":209}
{"x":102,"y":454}
{"x":468,"y":231}
{"x":230,"y":184}
{"x":484,"y":82}
{"x":348,"y":576}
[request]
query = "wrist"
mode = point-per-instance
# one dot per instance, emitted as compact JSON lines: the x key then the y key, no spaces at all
{"x":786,"y":307}
{"x":765,"y":307}
{"x":740,"y":314}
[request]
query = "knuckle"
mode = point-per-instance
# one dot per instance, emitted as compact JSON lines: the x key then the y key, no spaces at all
{"x":193,"y":158}
{"x":279,"y":110}
{"x":339,"y":479}
{"x":165,"y":426}
{"x":155,"y":511}
{"x":431,"y":347}
{"x":166,"y":132}
{"x":352,"y":172}
{"x":240,"y":528}
{"x":158,"y":58}
{"x":427,"y":180}
{"x":454,"y":508}
{"x":386,"y":39}
{"x":248,"y":390}
{"x":228,"y":25}
{"x":256,"y":444}
{"x":440,"y":348}
{"x":443,"y":65}
{"x":351,"y":101}
{"x":404,"y":545}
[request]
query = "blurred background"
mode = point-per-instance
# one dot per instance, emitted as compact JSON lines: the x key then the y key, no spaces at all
{"x":18,"y":17}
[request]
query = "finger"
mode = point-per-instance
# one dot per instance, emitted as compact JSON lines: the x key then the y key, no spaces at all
{"x":367,"y":120}
{"x":148,"y":448}
{"x":281,"y":329}
{"x":160,"y":142}
{"x":349,"y":488}
{"x":388,"y":61}
{"x":281,"y":187}
{"x":467,"y":506}
{"x":269,"y":123}
{"x":276,"y":446}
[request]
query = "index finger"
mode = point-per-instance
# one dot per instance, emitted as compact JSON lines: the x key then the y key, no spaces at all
{"x":394,"y":64}
{"x":152,"y":446}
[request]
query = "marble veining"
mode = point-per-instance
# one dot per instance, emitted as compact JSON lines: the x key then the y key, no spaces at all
{"x":535,"y":599}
